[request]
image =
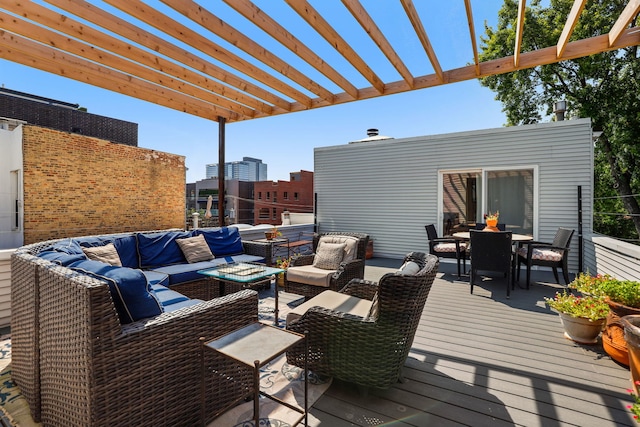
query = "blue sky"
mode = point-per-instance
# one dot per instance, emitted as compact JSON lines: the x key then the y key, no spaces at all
{"x":286,"y":142}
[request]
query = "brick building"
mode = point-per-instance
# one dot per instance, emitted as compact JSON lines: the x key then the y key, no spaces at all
{"x":65,"y":116}
{"x":271,"y":198}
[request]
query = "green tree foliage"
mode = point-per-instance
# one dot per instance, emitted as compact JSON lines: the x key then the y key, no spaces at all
{"x":604,"y":87}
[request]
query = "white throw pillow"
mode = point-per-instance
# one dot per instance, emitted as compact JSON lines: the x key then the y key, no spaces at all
{"x":409,"y":268}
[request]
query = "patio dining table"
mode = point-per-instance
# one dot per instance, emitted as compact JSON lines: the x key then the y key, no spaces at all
{"x":466,"y":235}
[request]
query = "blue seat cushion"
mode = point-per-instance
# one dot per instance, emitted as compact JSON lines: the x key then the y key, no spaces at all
{"x":166,"y":296}
{"x":61,"y":258}
{"x":178,"y":305}
{"x":156,"y":278}
{"x":182,"y":273}
{"x":222,"y":241}
{"x":160,"y":249}
{"x":130,"y":292}
{"x":67,"y":246}
{"x":127,"y":248}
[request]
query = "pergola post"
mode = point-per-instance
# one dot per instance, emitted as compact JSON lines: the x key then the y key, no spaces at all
{"x":221,"y":161}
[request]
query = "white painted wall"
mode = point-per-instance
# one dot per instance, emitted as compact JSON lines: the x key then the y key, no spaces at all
{"x":606,"y":255}
{"x":10,"y":160}
{"x":5,"y":287}
{"x":389,"y":189}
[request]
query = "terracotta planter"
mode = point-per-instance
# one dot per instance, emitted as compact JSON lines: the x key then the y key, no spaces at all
{"x":632,"y":336}
{"x":269,"y":235}
{"x":580,"y":329}
{"x":613,"y":340}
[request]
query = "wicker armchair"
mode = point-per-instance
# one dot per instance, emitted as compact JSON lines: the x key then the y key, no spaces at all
{"x":76,"y":364}
{"x":352,"y":269}
{"x":369,"y":351}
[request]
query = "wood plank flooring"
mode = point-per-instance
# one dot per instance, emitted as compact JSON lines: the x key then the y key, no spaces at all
{"x":484,"y":360}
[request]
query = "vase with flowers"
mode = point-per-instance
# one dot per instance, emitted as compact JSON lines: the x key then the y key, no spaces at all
{"x":582,"y":317}
{"x":491,"y":219}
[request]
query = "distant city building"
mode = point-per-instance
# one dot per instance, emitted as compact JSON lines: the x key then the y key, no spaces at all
{"x":238,"y":200}
{"x":248,"y":169}
{"x":271,"y":198}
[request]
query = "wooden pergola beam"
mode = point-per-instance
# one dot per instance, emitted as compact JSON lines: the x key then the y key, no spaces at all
{"x":151,"y":16}
{"x":572,"y":20}
{"x":628,"y":14}
{"x":137,"y":35}
{"x":416,"y":22}
{"x":279,"y":33}
{"x":472,"y":34}
{"x":217,"y":26}
{"x":522,"y":5}
{"x":318,"y":23}
{"x":35,"y":55}
{"x":369,"y":25}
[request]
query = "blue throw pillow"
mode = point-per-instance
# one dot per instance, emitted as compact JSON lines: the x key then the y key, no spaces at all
{"x":223,"y":241}
{"x":129,"y":289}
{"x":159,"y":249}
{"x":127,"y":248}
{"x":93,"y":241}
{"x":67,"y":246}
{"x":61,"y":258}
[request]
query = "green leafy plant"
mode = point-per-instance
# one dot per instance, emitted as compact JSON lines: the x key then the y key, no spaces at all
{"x":283,"y":263}
{"x":589,"y":307}
{"x":625,"y":292}
{"x":635,"y":407}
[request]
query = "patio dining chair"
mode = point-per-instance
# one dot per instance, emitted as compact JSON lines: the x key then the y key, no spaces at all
{"x":491,"y":251}
{"x":554,"y":255}
{"x":447,"y":247}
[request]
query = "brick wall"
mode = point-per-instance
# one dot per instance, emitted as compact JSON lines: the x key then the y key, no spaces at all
{"x":76,"y":185}
{"x":67,"y":119}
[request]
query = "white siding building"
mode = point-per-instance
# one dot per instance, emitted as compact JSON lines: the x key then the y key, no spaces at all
{"x":392,"y":188}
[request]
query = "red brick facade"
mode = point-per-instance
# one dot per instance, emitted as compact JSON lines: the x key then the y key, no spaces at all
{"x":271,"y":198}
{"x":77,"y":185}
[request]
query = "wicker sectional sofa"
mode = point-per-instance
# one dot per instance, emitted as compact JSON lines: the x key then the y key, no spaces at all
{"x":79,"y":361}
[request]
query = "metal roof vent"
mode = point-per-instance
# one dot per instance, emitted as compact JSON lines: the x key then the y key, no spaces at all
{"x":372,"y":135}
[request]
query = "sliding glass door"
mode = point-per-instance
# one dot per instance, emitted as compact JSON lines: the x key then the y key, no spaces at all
{"x":468,"y":194}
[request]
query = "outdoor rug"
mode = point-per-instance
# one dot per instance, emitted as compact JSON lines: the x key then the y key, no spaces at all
{"x":277,"y":378}
{"x":15,"y":410}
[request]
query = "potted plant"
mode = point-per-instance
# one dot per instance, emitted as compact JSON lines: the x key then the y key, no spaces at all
{"x":623,"y":298}
{"x":273,"y":233}
{"x":581,"y":316}
{"x":282,"y":263}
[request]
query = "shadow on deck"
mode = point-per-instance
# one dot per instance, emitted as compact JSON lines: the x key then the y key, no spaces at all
{"x":482,"y":359}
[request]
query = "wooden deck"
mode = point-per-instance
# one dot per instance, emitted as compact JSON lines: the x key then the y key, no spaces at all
{"x":484,"y":360}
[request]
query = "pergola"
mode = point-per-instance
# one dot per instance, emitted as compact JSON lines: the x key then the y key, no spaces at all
{"x":179,"y":54}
